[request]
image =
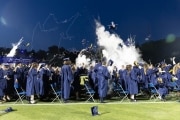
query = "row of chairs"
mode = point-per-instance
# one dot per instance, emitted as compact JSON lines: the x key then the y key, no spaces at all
{"x":123,"y":94}
{"x":90,"y":92}
{"x":21,"y":93}
{"x":155,"y":94}
{"x":56,"y":91}
{"x":152,"y":90}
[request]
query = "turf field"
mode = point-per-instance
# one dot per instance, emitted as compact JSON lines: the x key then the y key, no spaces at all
{"x":81,"y":111}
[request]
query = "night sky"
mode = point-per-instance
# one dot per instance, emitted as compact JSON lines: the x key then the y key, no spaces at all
{"x":70,"y":23}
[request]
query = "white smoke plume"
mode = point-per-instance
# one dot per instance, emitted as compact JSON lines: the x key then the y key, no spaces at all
{"x":82,"y":60}
{"x":115,"y":49}
{"x":15,"y":46}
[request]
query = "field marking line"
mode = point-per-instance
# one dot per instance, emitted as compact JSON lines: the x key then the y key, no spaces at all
{"x":95,"y":103}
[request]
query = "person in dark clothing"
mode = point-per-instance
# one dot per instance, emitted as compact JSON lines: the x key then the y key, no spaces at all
{"x":76,"y":83}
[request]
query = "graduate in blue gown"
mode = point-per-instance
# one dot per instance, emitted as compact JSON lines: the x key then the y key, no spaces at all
{"x":31,"y":82}
{"x":167,"y":77}
{"x":144,"y":78}
{"x":132,"y":79}
{"x":137,"y":74}
{"x":103,"y":75}
{"x":9,"y":91}
{"x":66,"y":79}
{"x":121,"y":80}
{"x":161,"y":88}
{"x":94,"y":77}
{"x":152,"y":74}
{"x":40,"y":82}
{"x":3,"y":84}
{"x":19,"y":75}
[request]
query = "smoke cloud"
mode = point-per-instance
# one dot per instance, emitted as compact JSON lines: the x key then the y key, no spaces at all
{"x":115,"y":49}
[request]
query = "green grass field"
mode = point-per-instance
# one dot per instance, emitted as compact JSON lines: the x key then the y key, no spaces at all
{"x":114,"y":109}
{"x":81,"y":111}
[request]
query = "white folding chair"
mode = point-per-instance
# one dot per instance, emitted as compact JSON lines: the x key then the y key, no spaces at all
{"x":56,"y":91}
{"x":89,"y":91}
{"x":20,"y":93}
{"x":154,"y":92}
{"x":118,"y":90}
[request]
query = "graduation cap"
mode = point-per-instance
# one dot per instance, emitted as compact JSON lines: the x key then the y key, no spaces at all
{"x":42,"y":65}
{"x":163,"y":62}
{"x":141,"y":64}
{"x":9,"y":109}
{"x":6,"y":64}
{"x":104,"y":59}
{"x":110,"y":62}
{"x":66,"y":59}
{"x":96,"y":60}
{"x":94,"y":110}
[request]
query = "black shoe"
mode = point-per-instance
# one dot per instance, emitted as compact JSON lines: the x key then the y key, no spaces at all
{"x":66,"y":101}
{"x":103,"y":102}
{"x":164,"y":100}
{"x":78,"y":98}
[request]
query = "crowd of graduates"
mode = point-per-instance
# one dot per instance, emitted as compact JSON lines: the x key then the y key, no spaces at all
{"x":35,"y":79}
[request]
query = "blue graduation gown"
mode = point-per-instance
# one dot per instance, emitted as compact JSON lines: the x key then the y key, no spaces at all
{"x":102,"y":75}
{"x":144,"y":78}
{"x":168,"y":75}
{"x":122,"y":81}
{"x":178,"y":76}
{"x":31,"y":81}
{"x":162,"y":89}
{"x":133,"y":82}
{"x":20,"y":75}
{"x":3,"y":82}
{"x":164,"y":78}
{"x":152,"y":75}
{"x":40,"y":84}
{"x":66,"y":80}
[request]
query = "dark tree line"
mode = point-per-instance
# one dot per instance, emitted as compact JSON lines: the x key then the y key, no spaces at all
{"x":157,"y":51}
{"x":53,"y":55}
{"x":152,"y":52}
